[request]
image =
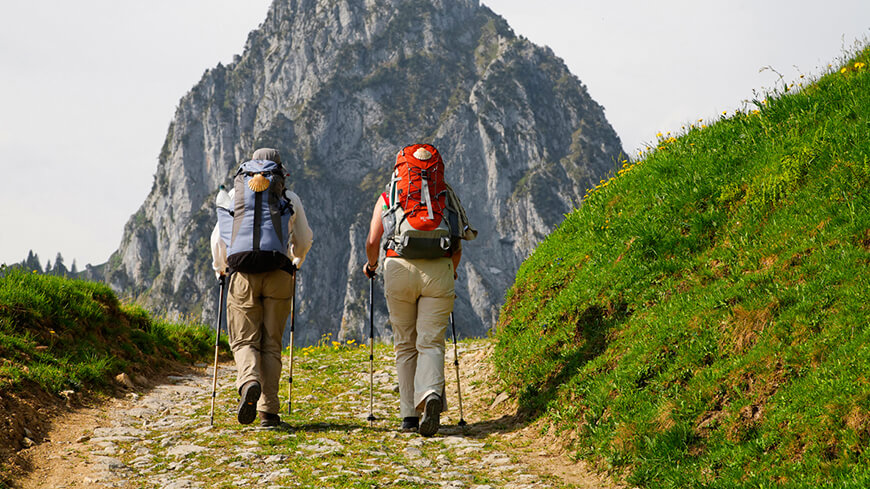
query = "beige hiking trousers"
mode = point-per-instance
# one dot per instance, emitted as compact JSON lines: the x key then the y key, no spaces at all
{"x":257,"y":308}
{"x":420,"y":299}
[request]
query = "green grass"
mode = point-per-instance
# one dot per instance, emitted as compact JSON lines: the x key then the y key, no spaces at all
{"x":701,"y":321}
{"x":64,"y":334}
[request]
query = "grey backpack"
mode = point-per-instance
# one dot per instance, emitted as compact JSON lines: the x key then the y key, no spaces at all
{"x":255,"y":230}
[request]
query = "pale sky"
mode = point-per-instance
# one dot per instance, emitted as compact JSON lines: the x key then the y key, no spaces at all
{"x":88,"y":88}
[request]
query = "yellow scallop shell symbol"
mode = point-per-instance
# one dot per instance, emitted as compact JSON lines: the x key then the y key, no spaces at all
{"x":258,"y":183}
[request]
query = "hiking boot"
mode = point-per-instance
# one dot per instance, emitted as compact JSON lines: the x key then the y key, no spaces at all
{"x":431,"y":415}
{"x":269,"y":419}
{"x":250,"y":394}
{"x":410,"y":424}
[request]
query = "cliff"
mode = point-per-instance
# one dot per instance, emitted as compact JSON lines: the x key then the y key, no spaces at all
{"x":338,"y":86}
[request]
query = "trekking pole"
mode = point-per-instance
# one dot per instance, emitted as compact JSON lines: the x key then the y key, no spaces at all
{"x":217,"y":339}
{"x":456,"y":364}
{"x":371,"y":417}
{"x":292,"y":330}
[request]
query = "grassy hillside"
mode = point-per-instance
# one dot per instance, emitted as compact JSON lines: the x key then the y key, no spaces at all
{"x":59,"y":334}
{"x":702,"y":320}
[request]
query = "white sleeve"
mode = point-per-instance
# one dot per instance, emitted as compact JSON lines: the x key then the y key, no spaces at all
{"x":218,"y":252}
{"x":301,"y":237}
{"x":218,"y":247}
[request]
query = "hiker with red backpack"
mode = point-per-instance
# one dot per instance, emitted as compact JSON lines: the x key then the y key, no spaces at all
{"x":421,"y":222}
{"x":260,"y":240}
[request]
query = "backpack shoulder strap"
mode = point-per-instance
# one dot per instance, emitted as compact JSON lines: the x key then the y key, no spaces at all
{"x":391,"y":195}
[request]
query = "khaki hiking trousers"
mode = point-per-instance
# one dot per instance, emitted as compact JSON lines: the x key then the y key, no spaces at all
{"x":257,"y":308}
{"x":420,"y":299}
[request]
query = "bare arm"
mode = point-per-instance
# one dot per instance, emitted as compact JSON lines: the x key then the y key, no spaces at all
{"x":376,"y":230}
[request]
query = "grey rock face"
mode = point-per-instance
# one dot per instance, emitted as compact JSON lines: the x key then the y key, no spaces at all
{"x":338,"y":86}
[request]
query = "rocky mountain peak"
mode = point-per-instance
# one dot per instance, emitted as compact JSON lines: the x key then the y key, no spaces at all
{"x":338,"y":86}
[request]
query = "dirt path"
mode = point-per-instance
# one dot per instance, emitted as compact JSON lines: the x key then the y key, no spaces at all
{"x":162,"y":437}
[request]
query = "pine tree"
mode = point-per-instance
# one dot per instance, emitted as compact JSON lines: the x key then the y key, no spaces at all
{"x":73,"y":269}
{"x":59,"y":268}
{"x":32,"y":262}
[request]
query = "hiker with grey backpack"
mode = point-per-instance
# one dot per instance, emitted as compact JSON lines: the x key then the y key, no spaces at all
{"x":259,"y":242}
{"x":419,"y":222}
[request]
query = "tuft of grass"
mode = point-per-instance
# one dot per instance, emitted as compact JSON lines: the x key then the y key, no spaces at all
{"x":701,"y":321}
{"x":64,"y":334}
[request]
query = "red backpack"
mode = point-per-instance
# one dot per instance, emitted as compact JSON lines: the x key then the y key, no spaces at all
{"x":418,"y":222}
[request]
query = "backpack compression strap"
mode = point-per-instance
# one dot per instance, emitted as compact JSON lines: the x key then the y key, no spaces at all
{"x":424,"y":176}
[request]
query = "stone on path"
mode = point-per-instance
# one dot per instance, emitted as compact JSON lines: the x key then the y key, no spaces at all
{"x":413,"y":452}
{"x":110,"y":463}
{"x":185,"y":450}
